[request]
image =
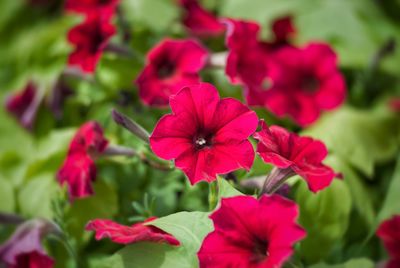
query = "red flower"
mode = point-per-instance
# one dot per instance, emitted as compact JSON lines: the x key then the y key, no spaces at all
{"x":283,"y":30}
{"x":171,"y":65}
{"x":246,"y":62}
{"x":90,"y":39}
{"x":199,"y":21}
{"x":130,"y":234}
{"x":291,"y":154}
{"x":33,"y":259}
{"x":79,"y":170}
{"x":389,"y":233}
{"x":394,"y":104}
{"x":205,"y":135}
{"x":251,"y":233}
{"x":106,"y":7}
{"x":24,"y":105}
{"x":305,"y":82}
{"x":24,"y":248}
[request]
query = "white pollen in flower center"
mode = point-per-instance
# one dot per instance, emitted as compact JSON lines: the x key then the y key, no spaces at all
{"x":201,"y":141}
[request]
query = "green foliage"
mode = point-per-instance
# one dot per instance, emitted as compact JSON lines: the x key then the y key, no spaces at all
{"x":325,"y":216}
{"x":354,"y":263}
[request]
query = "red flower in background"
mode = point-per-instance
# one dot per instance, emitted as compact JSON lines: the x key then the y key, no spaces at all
{"x":171,"y":65}
{"x":78,"y":170}
{"x":305,"y":82}
{"x":251,"y":233}
{"x":394,"y":104}
{"x":389,"y":233}
{"x":24,"y":248}
{"x":106,"y":7}
{"x":24,"y":105}
{"x":205,"y":135}
{"x":89,"y":39}
{"x":246,"y":62}
{"x":130,"y":234}
{"x":33,"y":259}
{"x":283,"y":29}
{"x":295,"y":154}
{"x":199,"y":21}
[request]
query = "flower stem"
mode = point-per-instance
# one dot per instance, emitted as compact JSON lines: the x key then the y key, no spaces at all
{"x":275,"y":180}
{"x":213,"y":195}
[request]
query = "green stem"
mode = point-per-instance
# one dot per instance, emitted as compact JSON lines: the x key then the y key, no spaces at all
{"x":213,"y":195}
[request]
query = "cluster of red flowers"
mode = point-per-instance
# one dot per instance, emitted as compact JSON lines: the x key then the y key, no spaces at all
{"x":91,"y":37}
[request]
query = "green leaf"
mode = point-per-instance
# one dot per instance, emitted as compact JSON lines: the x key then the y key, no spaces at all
{"x":361,"y":138}
{"x":35,"y":197}
{"x":103,"y":204}
{"x":7,"y":196}
{"x":324,"y":218}
{"x":189,"y":228}
{"x":226,"y":189}
{"x":354,"y":263}
{"x":391,"y":205}
{"x":361,"y":194}
{"x":154,"y":14}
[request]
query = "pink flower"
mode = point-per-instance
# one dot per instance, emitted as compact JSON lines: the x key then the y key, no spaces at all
{"x":251,"y":233}
{"x":389,"y":233}
{"x":304,"y":83}
{"x":199,"y":21}
{"x":90,"y":39}
{"x":24,"y":247}
{"x":171,"y":65}
{"x":205,"y":135}
{"x":130,"y":234}
{"x":246,"y":62}
{"x":33,"y":259}
{"x":91,"y":6}
{"x":291,"y":154}
{"x":78,"y":170}
{"x":24,"y":105}
{"x":283,"y":30}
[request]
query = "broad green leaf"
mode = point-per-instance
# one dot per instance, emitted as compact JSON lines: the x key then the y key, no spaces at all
{"x":35,"y":197}
{"x":361,"y":138}
{"x":226,"y":189}
{"x":391,"y":204}
{"x":189,"y":228}
{"x":7,"y":196}
{"x":361,"y":194}
{"x":102,"y":205}
{"x":354,"y":263}
{"x":154,"y":14}
{"x":325,"y":217}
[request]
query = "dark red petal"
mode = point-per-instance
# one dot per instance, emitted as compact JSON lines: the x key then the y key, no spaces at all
{"x":129,"y":234}
{"x":78,"y":172}
{"x":389,"y":233}
{"x":33,"y":259}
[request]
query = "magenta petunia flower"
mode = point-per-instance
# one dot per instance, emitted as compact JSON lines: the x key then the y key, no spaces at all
{"x":90,"y":38}
{"x":33,"y":259}
{"x":25,"y":245}
{"x":24,"y":105}
{"x":283,"y":29}
{"x":205,"y":135}
{"x":389,"y":233}
{"x":251,"y":233}
{"x":138,"y":232}
{"x":199,"y":21}
{"x":246,"y":61}
{"x":106,"y":7}
{"x":171,"y":65}
{"x":292,"y":154}
{"x":305,"y":82}
{"x":78,"y":170}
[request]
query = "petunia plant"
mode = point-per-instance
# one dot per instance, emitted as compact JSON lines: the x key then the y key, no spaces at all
{"x":191,"y":133}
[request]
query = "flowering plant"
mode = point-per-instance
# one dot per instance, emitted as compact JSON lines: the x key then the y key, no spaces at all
{"x":190,"y":133}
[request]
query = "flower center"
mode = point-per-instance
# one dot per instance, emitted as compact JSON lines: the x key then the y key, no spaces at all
{"x":260,"y":251}
{"x":166,"y":69}
{"x":310,"y":84}
{"x":202,"y":141}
